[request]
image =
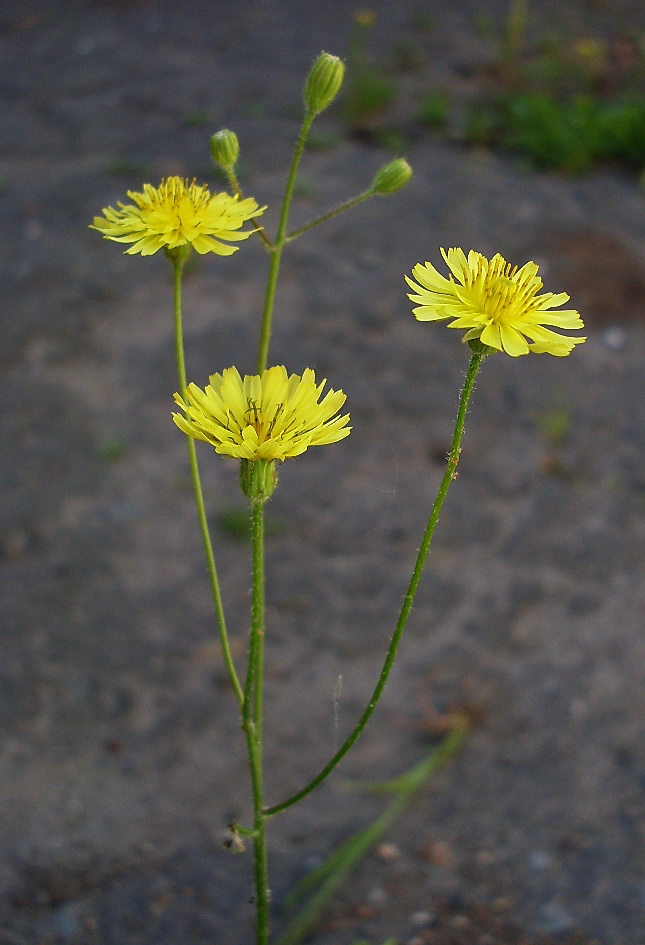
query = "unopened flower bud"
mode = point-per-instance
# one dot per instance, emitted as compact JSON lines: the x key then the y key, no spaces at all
{"x":323,"y":82}
{"x":258,"y":479}
{"x":391,"y":177}
{"x":225,"y":149}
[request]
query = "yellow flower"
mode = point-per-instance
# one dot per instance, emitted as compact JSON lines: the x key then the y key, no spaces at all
{"x":269,"y":416}
{"x":496,"y":302}
{"x":178,"y":213}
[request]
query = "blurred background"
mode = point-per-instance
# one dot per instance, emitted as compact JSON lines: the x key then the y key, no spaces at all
{"x":121,"y":758}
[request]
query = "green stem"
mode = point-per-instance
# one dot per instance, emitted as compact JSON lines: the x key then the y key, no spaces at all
{"x":276,"y":256}
{"x":329,"y":215}
{"x":449,"y":475}
{"x":252,"y":725}
{"x":178,"y":266}
{"x":323,"y":882}
{"x":237,"y":190}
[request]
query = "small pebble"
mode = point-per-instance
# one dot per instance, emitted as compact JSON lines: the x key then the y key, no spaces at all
{"x":85,"y":46}
{"x":539,"y":860}
{"x":501,"y":904}
{"x":556,"y":918}
{"x":377,"y":895}
{"x":484,"y":858}
{"x":388,"y":852}
{"x":65,"y":920}
{"x":614,"y":338}
{"x":422,"y":918}
{"x":442,"y":854}
{"x":14,"y":544}
{"x":32,"y":230}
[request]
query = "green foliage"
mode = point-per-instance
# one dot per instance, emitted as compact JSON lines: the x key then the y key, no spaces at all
{"x":555,"y":424}
{"x":391,"y":140}
{"x":571,"y":136}
{"x":368,"y":90}
{"x":484,"y":25}
{"x":368,"y":93}
{"x":433,"y":110}
{"x":112,"y":449}
{"x":563,"y":103}
{"x":407,"y":57}
{"x":423,"y":22}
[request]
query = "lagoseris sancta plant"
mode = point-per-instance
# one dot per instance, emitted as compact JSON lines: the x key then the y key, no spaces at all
{"x":273,"y":416}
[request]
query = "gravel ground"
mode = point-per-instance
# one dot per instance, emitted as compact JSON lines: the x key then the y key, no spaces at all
{"x":121,"y":756}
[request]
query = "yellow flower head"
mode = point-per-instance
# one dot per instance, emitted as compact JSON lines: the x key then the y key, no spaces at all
{"x":495,"y":302}
{"x":178,"y":213}
{"x":269,"y":416}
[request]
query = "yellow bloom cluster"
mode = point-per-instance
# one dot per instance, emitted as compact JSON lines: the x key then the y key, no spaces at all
{"x":268,"y":416}
{"x":495,"y":302}
{"x":178,"y":213}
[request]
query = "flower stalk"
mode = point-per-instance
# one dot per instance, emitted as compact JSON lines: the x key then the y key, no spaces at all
{"x":252,"y":724}
{"x":448,"y":476}
{"x":178,"y":259}
{"x":280,"y":240}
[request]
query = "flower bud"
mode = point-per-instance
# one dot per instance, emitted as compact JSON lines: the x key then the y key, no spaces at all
{"x":258,"y":479}
{"x":225,"y":149}
{"x":391,"y":177}
{"x":323,"y":82}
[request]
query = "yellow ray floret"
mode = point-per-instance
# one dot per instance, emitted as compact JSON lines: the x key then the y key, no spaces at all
{"x":178,"y":213}
{"x":269,"y":416}
{"x":498,"y":303}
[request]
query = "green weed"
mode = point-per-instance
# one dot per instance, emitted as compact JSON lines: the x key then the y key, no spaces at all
{"x":567,"y":106}
{"x":112,"y":449}
{"x":571,"y":136}
{"x":433,"y":110}
{"x":369,"y":90}
{"x":554,"y":424}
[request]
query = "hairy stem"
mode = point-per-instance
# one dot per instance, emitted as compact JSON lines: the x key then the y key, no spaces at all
{"x":329,"y":215}
{"x":276,"y":255}
{"x":252,"y":725}
{"x":178,"y":266}
{"x":449,"y":475}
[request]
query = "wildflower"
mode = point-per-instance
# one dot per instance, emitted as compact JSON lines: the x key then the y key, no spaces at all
{"x":263,"y":417}
{"x":178,"y":213}
{"x":495,"y":302}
